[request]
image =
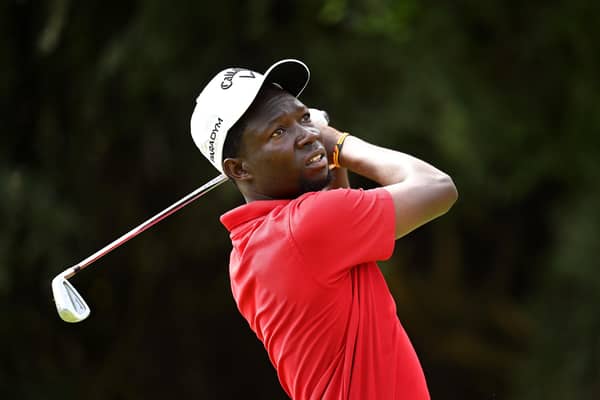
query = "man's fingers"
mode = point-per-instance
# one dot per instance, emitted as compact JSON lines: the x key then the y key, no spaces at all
{"x":319,"y":117}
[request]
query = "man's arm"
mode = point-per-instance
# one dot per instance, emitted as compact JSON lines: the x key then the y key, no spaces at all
{"x":420,"y":192}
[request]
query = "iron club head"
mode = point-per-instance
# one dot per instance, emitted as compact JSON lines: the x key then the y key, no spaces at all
{"x":70,"y":305}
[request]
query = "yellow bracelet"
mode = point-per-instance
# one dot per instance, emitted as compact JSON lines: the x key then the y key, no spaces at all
{"x":338,"y":149}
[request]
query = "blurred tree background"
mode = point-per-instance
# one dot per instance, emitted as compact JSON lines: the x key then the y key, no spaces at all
{"x":500,"y":296}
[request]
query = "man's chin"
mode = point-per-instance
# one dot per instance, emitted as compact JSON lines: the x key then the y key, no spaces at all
{"x":315,"y":184}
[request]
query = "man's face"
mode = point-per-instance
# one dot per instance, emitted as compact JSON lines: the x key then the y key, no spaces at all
{"x":283,"y":150}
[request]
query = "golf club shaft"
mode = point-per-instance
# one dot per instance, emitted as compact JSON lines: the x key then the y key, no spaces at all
{"x":147,"y":224}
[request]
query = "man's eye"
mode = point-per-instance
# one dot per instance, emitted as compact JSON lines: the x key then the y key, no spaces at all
{"x":278,"y":132}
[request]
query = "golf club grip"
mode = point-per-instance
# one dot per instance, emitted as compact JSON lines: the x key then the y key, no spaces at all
{"x":213,"y":183}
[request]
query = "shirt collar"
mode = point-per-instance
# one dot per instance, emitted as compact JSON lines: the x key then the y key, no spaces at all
{"x":249,"y":212}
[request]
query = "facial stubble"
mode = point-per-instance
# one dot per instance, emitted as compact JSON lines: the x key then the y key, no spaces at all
{"x":306,"y":185}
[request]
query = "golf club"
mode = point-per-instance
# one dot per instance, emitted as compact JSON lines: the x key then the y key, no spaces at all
{"x":70,"y":305}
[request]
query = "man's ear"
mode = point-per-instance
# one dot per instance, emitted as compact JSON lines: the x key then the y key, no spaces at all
{"x":235,"y":169}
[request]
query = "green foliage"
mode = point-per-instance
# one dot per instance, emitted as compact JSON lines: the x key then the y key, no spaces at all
{"x":499,"y":296}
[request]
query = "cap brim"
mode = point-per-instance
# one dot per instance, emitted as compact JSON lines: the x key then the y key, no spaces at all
{"x":292,"y":75}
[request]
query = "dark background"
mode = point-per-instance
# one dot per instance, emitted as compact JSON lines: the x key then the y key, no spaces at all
{"x":500,"y":296}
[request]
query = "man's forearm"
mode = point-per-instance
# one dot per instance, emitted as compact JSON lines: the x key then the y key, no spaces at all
{"x":382,"y":165}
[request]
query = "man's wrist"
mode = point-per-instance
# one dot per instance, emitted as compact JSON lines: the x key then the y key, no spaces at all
{"x":337,"y":149}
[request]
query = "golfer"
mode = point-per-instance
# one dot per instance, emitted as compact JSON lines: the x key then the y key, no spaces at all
{"x":303,"y":266}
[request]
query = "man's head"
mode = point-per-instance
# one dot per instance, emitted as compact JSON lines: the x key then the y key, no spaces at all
{"x":274,"y":151}
{"x":244,"y":109}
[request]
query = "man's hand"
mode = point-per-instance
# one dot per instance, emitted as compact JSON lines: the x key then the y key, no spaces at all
{"x":330,"y":136}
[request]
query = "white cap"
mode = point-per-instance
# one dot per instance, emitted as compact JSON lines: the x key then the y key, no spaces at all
{"x":227,"y":97}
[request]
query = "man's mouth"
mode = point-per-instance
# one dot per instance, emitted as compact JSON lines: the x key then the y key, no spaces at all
{"x":316,"y":159}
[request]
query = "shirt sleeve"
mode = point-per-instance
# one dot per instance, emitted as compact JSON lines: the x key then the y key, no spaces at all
{"x":338,"y":229}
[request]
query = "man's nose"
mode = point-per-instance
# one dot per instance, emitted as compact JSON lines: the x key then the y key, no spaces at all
{"x":308,"y":135}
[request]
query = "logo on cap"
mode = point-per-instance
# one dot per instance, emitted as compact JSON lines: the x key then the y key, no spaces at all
{"x":213,"y":137}
{"x":231,"y":73}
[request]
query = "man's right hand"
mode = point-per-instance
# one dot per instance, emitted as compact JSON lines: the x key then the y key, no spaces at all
{"x":329,"y":135}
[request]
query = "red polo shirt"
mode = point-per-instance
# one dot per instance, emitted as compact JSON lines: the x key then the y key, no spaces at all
{"x":304,"y":276}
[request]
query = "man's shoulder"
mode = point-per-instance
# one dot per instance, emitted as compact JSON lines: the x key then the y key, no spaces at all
{"x":311,"y":204}
{"x":335,"y":200}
